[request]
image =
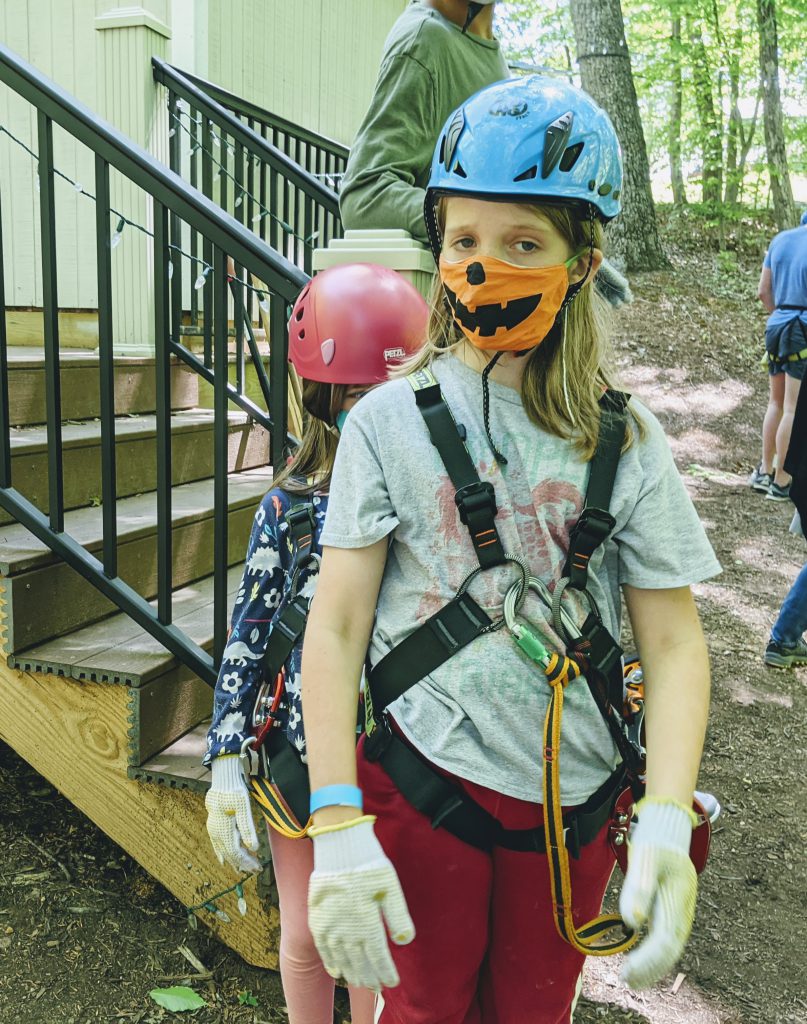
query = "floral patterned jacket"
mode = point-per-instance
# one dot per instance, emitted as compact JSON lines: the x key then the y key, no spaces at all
{"x":262,"y":595}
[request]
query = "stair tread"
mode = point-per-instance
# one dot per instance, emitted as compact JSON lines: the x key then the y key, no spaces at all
{"x":118,"y":650}
{"x":181,"y":761}
{"x":20,"y":356}
{"x":136,"y":516}
{"x":88,"y":432}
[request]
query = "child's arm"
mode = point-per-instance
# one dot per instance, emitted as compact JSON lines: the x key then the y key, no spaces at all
{"x":354,"y":896}
{"x":661,"y":885}
{"x":336,"y":641}
{"x":675,"y":661}
{"x":393,"y":148}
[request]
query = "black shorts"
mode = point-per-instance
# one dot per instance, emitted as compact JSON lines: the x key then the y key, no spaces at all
{"x":795,"y":368}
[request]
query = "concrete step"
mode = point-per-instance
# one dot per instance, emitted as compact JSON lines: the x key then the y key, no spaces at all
{"x":79,"y":376}
{"x":37,"y":579}
{"x":136,"y":455}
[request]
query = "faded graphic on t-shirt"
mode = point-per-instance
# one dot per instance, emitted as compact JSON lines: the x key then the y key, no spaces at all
{"x":480,"y":715}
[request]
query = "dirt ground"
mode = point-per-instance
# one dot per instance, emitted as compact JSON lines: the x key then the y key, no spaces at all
{"x":85,"y":933}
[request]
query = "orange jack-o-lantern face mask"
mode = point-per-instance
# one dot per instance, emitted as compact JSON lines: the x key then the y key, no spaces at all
{"x":502,"y":307}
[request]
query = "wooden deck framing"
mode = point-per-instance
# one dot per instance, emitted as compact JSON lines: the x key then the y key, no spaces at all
{"x":75,"y":734}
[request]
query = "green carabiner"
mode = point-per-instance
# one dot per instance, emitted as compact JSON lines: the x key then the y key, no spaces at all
{"x":531,"y":645}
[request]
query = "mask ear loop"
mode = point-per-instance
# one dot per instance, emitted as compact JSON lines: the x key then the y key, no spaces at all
{"x":563,"y":369}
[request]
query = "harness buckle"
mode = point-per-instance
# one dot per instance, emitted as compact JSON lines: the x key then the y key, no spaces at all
{"x":300,"y":517}
{"x":593,"y":527}
{"x":478,"y":496}
{"x":376,"y":743}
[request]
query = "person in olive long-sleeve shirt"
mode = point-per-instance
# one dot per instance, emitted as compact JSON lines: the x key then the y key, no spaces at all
{"x":429,"y":66}
{"x":437,"y":55}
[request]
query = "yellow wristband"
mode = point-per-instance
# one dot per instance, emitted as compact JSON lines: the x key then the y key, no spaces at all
{"x":320,"y":830}
{"x":669,"y":801}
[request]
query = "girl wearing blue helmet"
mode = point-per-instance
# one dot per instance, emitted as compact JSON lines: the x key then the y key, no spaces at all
{"x":486,"y":517}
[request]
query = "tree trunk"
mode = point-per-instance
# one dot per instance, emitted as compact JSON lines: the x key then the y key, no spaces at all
{"x":783,"y":206}
{"x":605,"y":70}
{"x":746,"y":141}
{"x":710,"y":138}
{"x":733,"y":136}
{"x":676,"y":103}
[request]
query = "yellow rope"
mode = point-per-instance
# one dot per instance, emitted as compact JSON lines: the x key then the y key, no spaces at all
{"x":591,"y":938}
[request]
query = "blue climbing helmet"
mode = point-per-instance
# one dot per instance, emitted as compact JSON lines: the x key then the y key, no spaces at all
{"x":527,"y":139}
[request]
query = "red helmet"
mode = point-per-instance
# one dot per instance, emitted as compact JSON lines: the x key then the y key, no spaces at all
{"x":351,"y":324}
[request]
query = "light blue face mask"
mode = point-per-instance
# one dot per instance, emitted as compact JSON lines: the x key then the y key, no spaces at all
{"x":341,"y":417}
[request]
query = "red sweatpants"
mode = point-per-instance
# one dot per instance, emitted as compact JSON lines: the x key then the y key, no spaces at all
{"x":486,"y":950}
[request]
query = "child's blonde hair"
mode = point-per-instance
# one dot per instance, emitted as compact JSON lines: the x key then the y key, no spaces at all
{"x":563,"y":380}
{"x":311,"y":465}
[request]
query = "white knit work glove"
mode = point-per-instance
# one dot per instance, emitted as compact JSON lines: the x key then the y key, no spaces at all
{"x":659,"y":890}
{"x":353,"y":892}
{"x":229,"y":815}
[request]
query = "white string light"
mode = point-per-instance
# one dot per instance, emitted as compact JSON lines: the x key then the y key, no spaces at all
{"x":201,"y":280}
{"x":117,"y":234}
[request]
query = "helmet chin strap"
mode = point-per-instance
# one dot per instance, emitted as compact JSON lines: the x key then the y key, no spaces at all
{"x":473,"y":10}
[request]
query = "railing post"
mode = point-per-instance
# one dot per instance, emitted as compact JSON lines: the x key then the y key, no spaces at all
{"x":239,"y":210}
{"x":175,"y":163}
{"x":5,"y":417}
{"x":207,"y":247}
{"x":162,"y":357}
{"x":278,"y":380}
{"x":106,"y":361}
{"x":220,"y":443}
{"x":50,"y":312}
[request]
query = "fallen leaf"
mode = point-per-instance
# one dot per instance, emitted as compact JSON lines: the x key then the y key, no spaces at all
{"x":178,"y":998}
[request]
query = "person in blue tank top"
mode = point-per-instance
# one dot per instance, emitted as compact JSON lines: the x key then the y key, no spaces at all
{"x":783,"y":292}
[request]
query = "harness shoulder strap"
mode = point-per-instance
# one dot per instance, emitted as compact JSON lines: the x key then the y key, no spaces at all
{"x":475,"y":499}
{"x":596,"y":522}
{"x":289,"y":626}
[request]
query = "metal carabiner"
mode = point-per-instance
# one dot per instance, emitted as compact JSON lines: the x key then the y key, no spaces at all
{"x":520,"y":587}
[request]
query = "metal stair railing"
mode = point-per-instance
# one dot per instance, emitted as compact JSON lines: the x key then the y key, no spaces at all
{"x":223,"y":238}
{"x":325,"y":158}
{"x":265,"y":187}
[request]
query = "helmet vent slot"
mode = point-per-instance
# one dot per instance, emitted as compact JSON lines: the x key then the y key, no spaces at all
{"x":526,"y":175}
{"x":570,"y":156}
{"x":557,"y":135}
{"x":460,"y":171}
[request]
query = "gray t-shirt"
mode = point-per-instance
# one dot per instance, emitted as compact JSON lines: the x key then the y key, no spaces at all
{"x":480,"y":715}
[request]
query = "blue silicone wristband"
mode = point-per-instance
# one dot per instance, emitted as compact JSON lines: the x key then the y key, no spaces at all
{"x":336,"y":796}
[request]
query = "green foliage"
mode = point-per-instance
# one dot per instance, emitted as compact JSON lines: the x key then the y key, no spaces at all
{"x":247,"y":998}
{"x":540,"y":33}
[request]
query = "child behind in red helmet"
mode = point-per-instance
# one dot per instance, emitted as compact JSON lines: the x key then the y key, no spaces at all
{"x":349,"y":326}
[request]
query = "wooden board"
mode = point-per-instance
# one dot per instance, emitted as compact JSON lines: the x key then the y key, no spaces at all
{"x":117,"y":650}
{"x":80,"y":389}
{"x":20,"y":551}
{"x":75,"y":735}
{"x":76,"y":329}
{"x":73,"y":602}
{"x":136,"y":450}
{"x":161,"y":713}
{"x":180,"y":764}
